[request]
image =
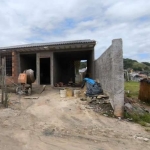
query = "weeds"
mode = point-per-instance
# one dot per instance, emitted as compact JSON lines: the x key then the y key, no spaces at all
{"x":142,"y":119}
{"x":147,"y":129}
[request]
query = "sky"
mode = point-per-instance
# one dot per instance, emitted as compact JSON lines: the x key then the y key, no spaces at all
{"x":39,"y":21}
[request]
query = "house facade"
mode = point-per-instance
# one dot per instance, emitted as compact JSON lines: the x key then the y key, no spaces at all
{"x":58,"y":62}
{"x":51,"y":62}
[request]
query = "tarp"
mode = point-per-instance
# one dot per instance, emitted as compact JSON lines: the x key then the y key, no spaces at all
{"x":93,"y":87}
{"x":91,"y":81}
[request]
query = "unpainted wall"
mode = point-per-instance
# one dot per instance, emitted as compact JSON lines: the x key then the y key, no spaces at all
{"x":56,"y":70}
{"x":44,"y":54}
{"x":64,"y":69}
{"x":109,"y":71}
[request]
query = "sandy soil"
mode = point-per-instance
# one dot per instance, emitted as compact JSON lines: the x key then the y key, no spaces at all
{"x":54,"y":123}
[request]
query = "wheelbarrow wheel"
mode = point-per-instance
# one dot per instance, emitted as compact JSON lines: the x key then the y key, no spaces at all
{"x":29,"y":91}
{"x":18,"y":90}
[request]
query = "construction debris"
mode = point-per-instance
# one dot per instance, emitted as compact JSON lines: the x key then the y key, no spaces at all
{"x":135,"y":108}
{"x":100,"y":104}
{"x":31,"y":97}
{"x":44,"y":86}
{"x":141,"y":138}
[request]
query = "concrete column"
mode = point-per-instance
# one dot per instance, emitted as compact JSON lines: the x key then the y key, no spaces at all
{"x":51,"y":68}
{"x":92,"y":65}
{"x":118,"y":77}
{"x":38,"y":68}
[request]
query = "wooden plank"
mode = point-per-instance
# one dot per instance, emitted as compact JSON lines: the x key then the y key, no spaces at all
{"x":28,"y":97}
{"x":2,"y":98}
{"x":44,"y":86}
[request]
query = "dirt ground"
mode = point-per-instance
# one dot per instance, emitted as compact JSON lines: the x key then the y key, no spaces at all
{"x":54,"y":123}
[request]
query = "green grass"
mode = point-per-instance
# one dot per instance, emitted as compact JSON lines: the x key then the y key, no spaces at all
{"x":133,"y":88}
{"x":141,"y":119}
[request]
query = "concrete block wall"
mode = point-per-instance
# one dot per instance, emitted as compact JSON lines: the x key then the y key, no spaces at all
{"x":109,"y":70}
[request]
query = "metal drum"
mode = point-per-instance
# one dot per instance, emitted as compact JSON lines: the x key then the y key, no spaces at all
{"x":30,"y":76}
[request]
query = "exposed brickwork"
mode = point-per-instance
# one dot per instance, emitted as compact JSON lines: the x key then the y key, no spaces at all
{"x":14,"y":67}
{"x":9,"y":80}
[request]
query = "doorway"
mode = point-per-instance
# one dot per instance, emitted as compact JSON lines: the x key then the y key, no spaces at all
{"x":45,"y":71}
{"x":28,"y":61}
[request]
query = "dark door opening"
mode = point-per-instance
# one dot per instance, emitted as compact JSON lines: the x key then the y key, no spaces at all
{"x":73,"y":66}
{"x":44,"y":70}
{"x":28,"y":61}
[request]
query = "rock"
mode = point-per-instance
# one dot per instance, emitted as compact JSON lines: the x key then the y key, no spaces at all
{"x":105,"y":115}
{"x":106,"y":101}
{"x":141,"y":138}
{"x":146,"y":139}
{"x":119,"y":118}
{"x":134,"y":109}
{"x":83,"y":99}
{"x":128,"y":106}
{"x":102,"y":96}
{"x":89,"y":107}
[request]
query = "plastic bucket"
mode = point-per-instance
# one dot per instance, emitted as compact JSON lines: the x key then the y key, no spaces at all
{"x":76,"y":93}
{"x":69,"y":92}
{"x":62,"y":93}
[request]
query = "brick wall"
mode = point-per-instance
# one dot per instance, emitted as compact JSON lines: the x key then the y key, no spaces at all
{"x":15,"y":67}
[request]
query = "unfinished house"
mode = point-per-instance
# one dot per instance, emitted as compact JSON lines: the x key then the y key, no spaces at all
{"x":51,"y":62}
{"x":59,"y":62}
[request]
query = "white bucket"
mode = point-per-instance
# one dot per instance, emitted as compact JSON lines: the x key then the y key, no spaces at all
{"x":62,"y":93}
{"x":76,"y":93}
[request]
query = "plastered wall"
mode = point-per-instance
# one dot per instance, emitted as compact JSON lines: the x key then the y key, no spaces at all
{"x":109,"y":70}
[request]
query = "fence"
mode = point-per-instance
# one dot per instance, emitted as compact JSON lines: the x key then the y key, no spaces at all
{"x":144,"y":93}
{"x":4,"y":93}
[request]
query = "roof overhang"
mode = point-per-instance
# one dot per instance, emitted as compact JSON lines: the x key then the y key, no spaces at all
{"x":54,"y":46}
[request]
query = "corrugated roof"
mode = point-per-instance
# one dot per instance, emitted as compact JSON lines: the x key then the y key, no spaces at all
{"x":49,"y":44}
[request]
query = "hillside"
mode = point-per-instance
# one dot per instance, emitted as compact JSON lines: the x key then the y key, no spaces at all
{"x":135,"y":65}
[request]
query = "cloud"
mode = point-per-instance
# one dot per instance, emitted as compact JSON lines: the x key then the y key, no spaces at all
{"x":129,"y":10}
{"x":28,"y":21}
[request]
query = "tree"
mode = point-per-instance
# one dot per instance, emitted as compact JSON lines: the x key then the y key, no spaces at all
{"x":146,"y":63}
{"x":83,"y":64}
{"x":135,"y":65}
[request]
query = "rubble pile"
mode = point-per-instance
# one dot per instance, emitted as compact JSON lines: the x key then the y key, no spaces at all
{"x":100,"y":104}
{"x":133,"y":107}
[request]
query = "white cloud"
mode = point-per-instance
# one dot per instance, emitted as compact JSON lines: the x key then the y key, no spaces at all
{"x":103,"y":21}
{"x":129,"y":10}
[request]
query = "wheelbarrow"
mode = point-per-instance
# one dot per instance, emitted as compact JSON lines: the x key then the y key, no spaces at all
{"x":25,"y":81}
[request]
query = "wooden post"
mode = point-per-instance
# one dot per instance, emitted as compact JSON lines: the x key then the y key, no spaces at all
{"x":5,"y":85}
{"x":2,"y":80}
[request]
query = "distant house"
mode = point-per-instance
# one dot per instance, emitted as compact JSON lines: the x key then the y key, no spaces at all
{"x":137,"y":77}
